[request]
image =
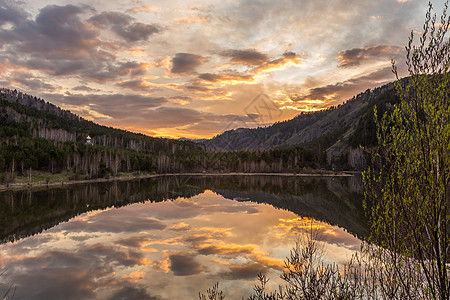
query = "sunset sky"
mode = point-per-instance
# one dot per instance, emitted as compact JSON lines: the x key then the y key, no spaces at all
{"x":196,"y":68}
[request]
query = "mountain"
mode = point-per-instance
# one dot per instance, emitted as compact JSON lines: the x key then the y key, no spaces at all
{"x":192,"y":140}
{"x":337,"y":131}
{"x":36,"y":135}
{"x":48,"y":121}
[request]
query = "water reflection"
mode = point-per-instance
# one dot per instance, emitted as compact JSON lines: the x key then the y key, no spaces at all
{"x":126,"y":240}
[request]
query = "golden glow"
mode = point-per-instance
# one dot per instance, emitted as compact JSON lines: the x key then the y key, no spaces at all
{"x":134,"y":276}
{"x":146,"y":8}
{"x":137,"y":52}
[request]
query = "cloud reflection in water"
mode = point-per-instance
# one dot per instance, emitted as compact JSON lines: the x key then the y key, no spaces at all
{"x":164,"y":250}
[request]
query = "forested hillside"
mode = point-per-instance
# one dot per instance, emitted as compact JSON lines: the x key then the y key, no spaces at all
{"x":336,"y":133}
{"x":35,"y":135}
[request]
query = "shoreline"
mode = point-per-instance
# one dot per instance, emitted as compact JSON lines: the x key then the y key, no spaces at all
{"x":27,"y":186}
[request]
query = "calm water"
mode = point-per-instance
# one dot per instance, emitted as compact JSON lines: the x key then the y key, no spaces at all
{"x":170,"y":237}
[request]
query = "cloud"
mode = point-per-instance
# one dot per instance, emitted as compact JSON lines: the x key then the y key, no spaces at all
{"x":58,"y":42}
{"x":226,"y":78}
{"x":102,"y":73}
{"x":124,"y":26}
{"x":184,"y":264}
{"x":245,"y":57}
{"x":9,"y":13}
{"x":102,"y":223}
{"x":186,"y":62}
{"x":57,"y":33}
{"x":288,"y":58}
{"x":28,"y":81}
{"x":344,"y":90}
{"x":244,"y":271}
{"x":226,"y":249}
{"x":132,"y":292}
{"x":109,"y":101}
{"x":78,"y":273}
{"x":192,"y":20}
{"x":354,"y":57}
{"x":260,"y":63}
{"x":145,"y":8}
{"x":84,"y":88}
{"x":138,"y":31}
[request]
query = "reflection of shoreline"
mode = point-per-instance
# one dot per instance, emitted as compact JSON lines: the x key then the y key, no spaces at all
{"x":27,"y":212}
{"x":25,"y":186}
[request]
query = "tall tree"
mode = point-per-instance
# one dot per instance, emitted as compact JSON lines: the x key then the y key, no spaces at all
{"x":408,"y":187}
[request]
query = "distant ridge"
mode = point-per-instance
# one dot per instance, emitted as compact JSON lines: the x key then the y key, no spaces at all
{"x":193,"y":140}
{"x":304,"y":128}
{"x":336,"y":131}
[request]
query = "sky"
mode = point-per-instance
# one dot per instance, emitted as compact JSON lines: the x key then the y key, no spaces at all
{"x":194,"y":69}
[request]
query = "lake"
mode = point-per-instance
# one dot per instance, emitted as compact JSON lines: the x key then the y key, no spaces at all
{"x":169,"y":237}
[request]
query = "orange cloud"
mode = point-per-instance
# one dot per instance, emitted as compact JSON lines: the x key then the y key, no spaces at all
{"x":134,"y":276}
{"x":137,"y":52}
{"x":288,"y":59}
{"x":146,"y":8}
{"x":226,"y":79}
{"x":289,"y":102}
{"x":226,"y":249}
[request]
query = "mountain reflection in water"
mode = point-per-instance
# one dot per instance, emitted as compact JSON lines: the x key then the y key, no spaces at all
{"x":168,"y":237}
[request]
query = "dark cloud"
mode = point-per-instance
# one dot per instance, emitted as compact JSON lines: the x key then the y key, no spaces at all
{"x":134,"y":242}
{"x":124,"y":26}
{"x":184,"y":264}
{"x":30,"y":82}
{"x":138,"y":32}
{"x":57,"y":33}
{"x":128,"y":259}
{"x":245,"y":57}
{"x":60,"y":67}
{"x":10,"y":13}
{"x":225,"y":250}
{"x":58,"y":42}
{"x":84,"y":88}
{"x":110,"y":103}
{"x":65,"y":274}
{"x":216,"y":78}
{"x":245,"y":271}
{"x":136,"y":85}
{"x":106,"y":19}
{"x":186,"y":62}
{"x":101,"y":73}
{"x":76,"y":274}
{"x":346,"y":89}
{"x":354,"y":57}
{"x":132,"y":292}
{"x":132,"y":68}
